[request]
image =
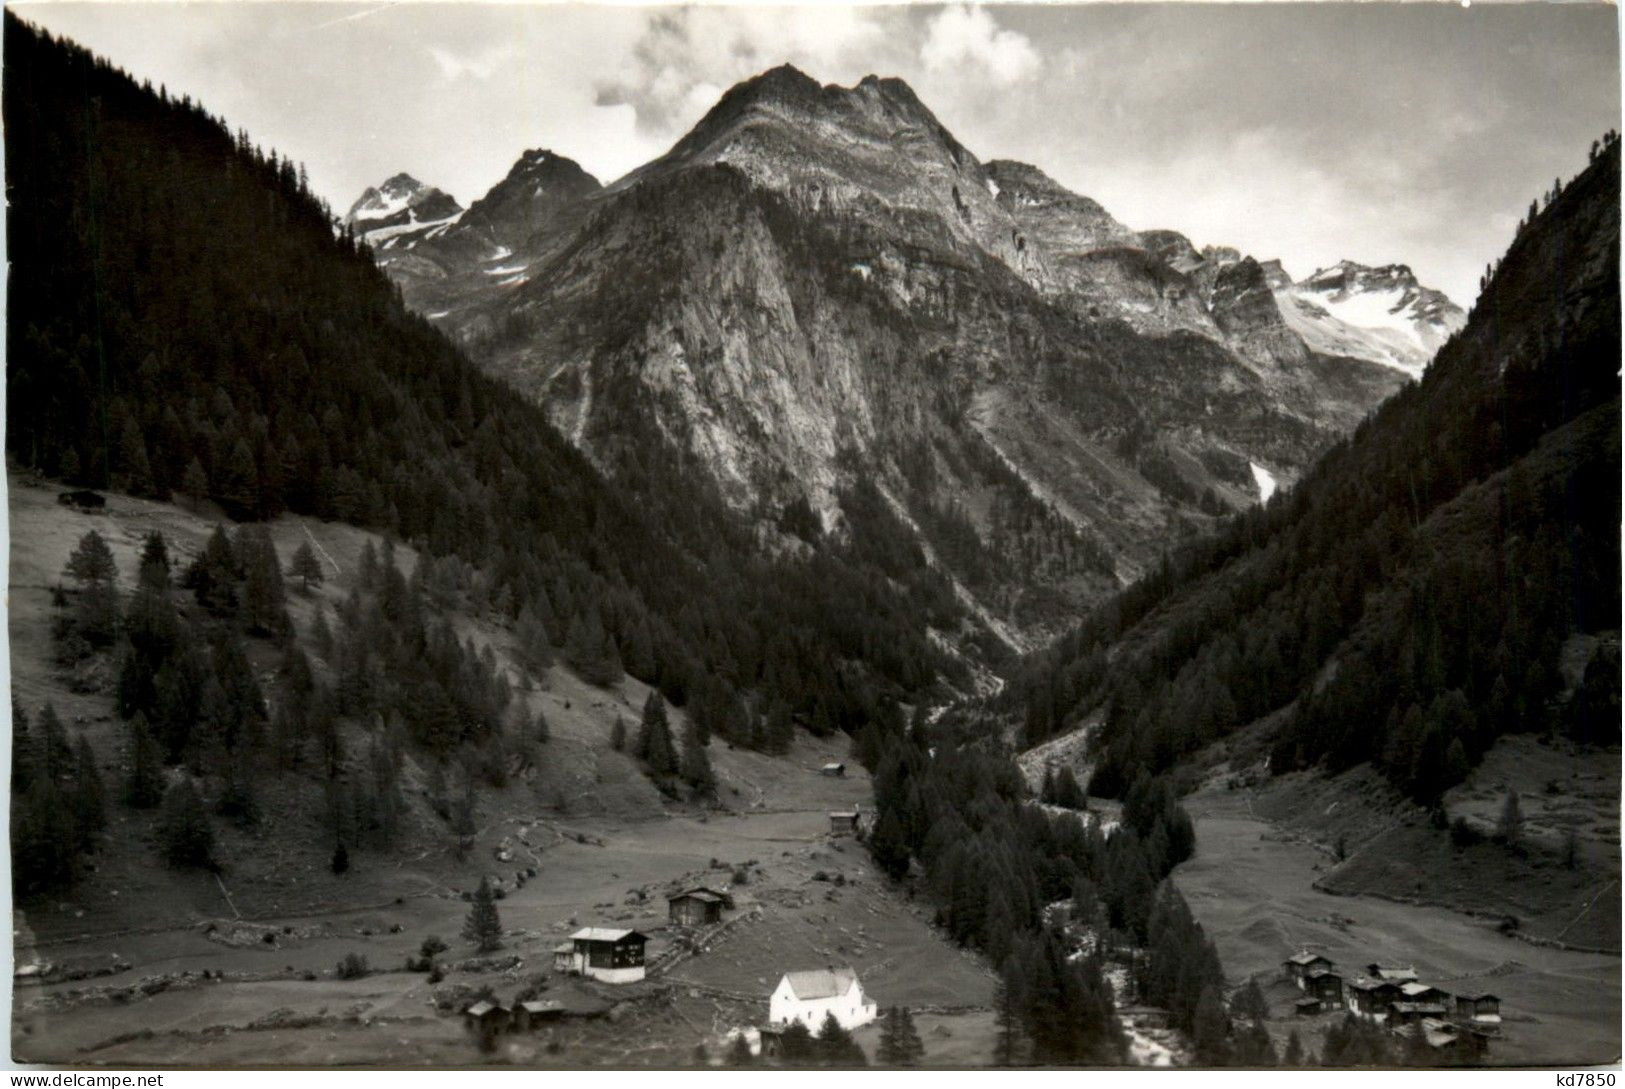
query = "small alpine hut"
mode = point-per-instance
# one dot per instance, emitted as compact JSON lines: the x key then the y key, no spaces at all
{"x":487,"y":1020}
{"x":1326,"y":987}
{"x":698,"y":906}
{"x":1421,"y":992}
{"x":845,"y":822}
{"x":609,"y":956}
{"x":772,"y":1041}
{"x":1409,"y":1013}
{"x":1299,"y":966}
{"x":1371,"y":998}
{"x":1479,"y":1006}
{"x":833,"y":770}
{"x":527,"y":1016}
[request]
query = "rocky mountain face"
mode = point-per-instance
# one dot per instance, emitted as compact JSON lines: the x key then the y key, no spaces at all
{"x":400,"y":211}
{"x":819,"y":290}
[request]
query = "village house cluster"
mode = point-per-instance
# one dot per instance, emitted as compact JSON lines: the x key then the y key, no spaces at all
{"x":617,"y":956}
{"x":1393,"y":996}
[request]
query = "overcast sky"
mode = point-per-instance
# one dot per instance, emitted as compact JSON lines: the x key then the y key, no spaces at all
{"x":1376,"y":132}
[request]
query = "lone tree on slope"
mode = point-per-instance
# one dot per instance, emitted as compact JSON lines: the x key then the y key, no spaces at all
{"x":483,"y":926}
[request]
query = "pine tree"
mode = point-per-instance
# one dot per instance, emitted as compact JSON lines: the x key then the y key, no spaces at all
{"x":617,"y":735}
{"x":540,"y":730}
{"x":212,"y":577}
{"x":135,"y":471}
{"x":796,"y":1044}
{"x":739,"y":1052}
{"x":306,"y":567}
{"x":1007,"y":1024}
{"x":195,"y":482}
{"x":42,"y":852}
{"x":888,"y":845}
{"x":154,"y":572}
{"x":654,"y":744}
{"x":890,"y":1052}
{"x":264,"y":599}
{"x":1211,"y":1029}
{"x":696,"y":765}
{"x":89,"y":799}
{"x":145,"y":786}
{"x":95,"y":611}
{"x":910,"y":1048}
{"x":1249,"y":1002}
{"x":53,"y":758}
{"x":184,"y":829}
{"x":533,"y":641}
{"x":591,"y":652}
{"x":238,"y":799}
{"x":1293,"y":1055}
{"x":779,"y":734}
{"x":1509,"y":828}
{"x":483,"y":927}
{"x":834,"y":1045}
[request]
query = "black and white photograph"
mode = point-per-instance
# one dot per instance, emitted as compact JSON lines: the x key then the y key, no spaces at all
{"x":760,"y":537}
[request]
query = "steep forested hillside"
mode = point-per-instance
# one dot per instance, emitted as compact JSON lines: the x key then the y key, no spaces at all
{"x":185,"y":319}
{"x":1411,"y":599}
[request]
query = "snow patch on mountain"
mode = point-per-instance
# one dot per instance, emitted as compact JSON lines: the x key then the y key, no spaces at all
{"x":1265,"y":481}
{"x":1379,"y":314}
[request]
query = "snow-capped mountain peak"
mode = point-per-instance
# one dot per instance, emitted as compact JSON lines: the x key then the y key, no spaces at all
{"x":1378,"y":313}
{"x":402,"y":206}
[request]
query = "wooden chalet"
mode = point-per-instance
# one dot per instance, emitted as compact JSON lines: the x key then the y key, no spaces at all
{"x":487,"y":1020}
{"x":833,"y":770}
{"x":1409,"y":1013}
{"x":1371,"y":998}
{"x":1298,"y":967}
{"x":698,"y":906}
{"x":1421,"y":992}
{"x":604,"y":954}
{"x":527,"y":1016}
{"x":845,"y":822}
{"x":1479,"y":1006}
{"x":1326,"y":987}
{"x":1445,"y":1042}
{"x":1307,"y":1007}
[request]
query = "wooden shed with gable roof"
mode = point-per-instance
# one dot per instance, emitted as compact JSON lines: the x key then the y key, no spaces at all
{"x":698,"y":906}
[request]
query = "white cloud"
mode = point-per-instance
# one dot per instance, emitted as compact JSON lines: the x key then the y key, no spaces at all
{"x":481,"y":65}
{"x":685,"y":57}
{"x":968,"y":36}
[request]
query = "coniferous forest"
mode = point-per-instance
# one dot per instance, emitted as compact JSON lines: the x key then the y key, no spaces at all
{"x":263,"y":362}
{"x":1406,"y":603}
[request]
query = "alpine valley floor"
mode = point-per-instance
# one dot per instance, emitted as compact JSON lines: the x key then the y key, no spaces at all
{"x":1251,"y":887}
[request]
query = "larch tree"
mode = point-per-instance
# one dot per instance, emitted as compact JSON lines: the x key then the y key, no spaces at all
{"x":483,"y":927}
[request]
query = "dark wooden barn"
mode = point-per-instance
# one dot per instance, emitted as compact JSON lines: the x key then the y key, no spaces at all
{"x":697,"y":907}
